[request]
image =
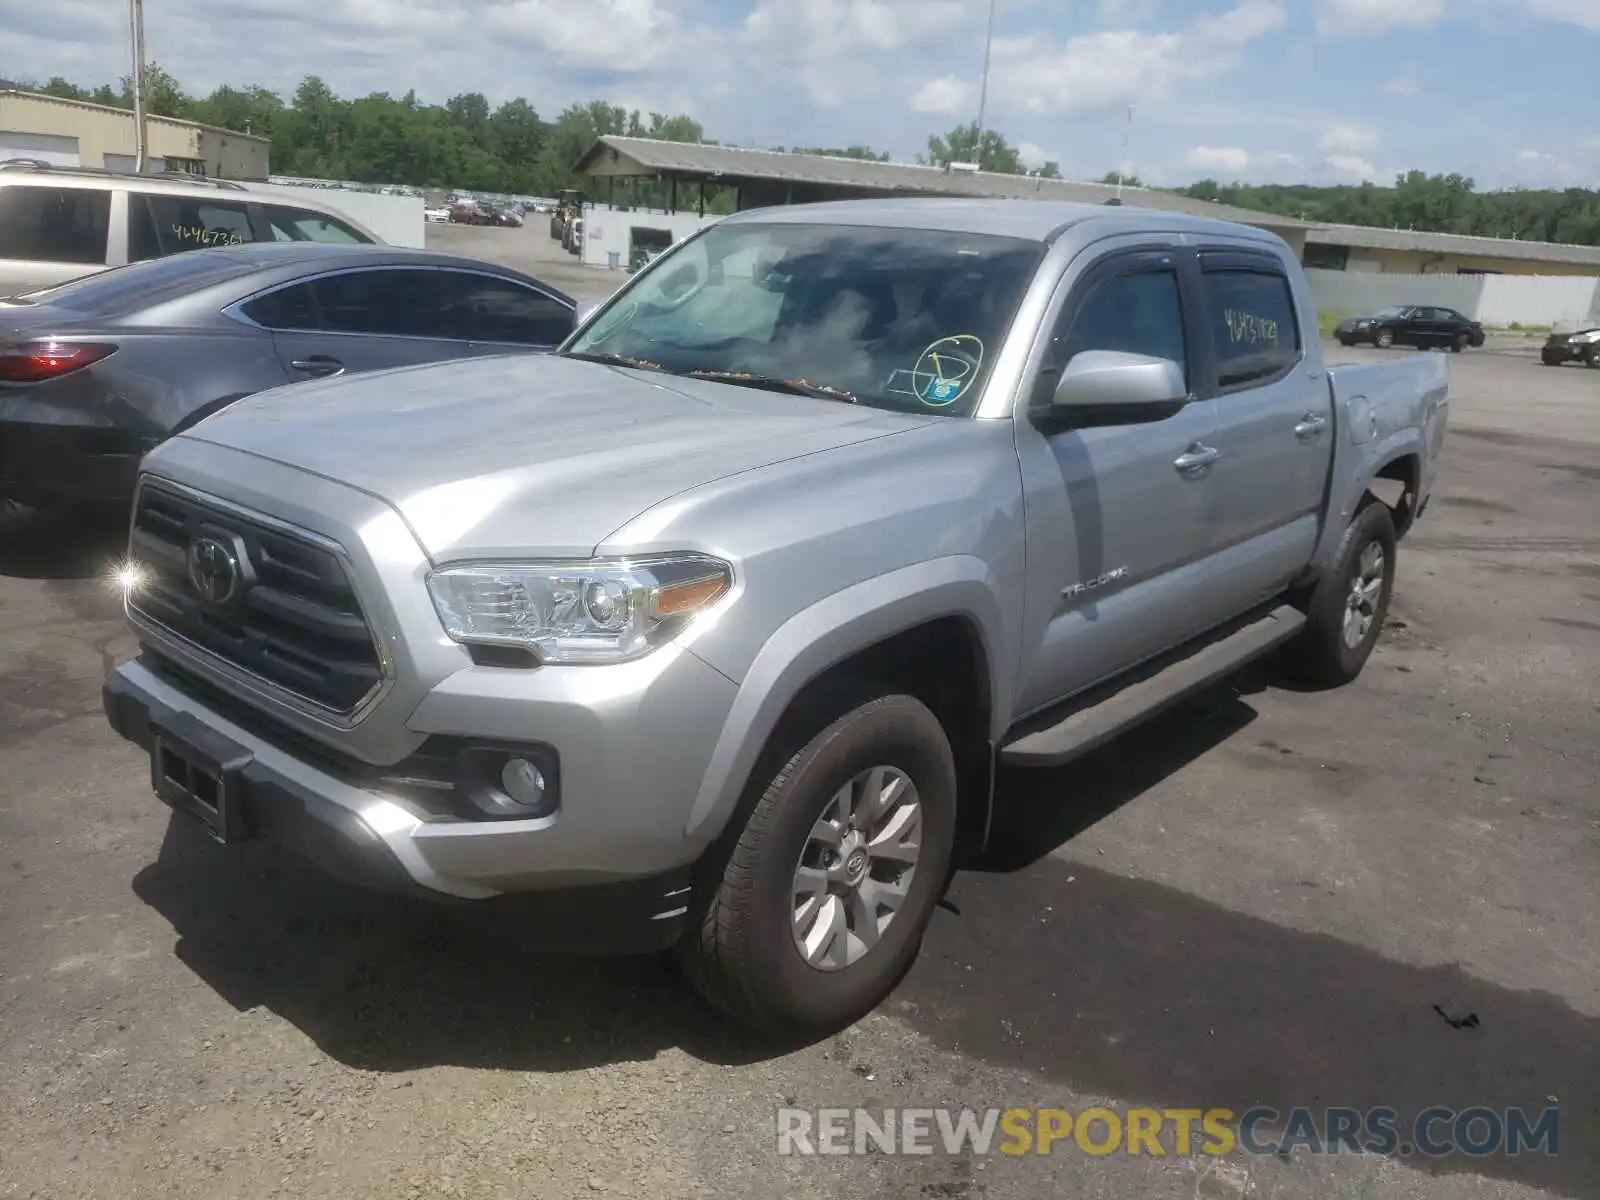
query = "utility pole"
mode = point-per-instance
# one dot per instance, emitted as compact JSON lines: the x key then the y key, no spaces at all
{"x":141,"y":134}
{"x":983,"y":87}
{"x":1122,"y":163}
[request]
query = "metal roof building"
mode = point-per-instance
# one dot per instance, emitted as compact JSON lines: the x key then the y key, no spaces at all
{"x":767,"y":177}
{"x":1415,"y":251}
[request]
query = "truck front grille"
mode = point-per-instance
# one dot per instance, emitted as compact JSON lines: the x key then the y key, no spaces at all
{"x":271,"y":602}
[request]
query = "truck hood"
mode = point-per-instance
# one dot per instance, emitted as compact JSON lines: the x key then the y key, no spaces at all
{"x":530,"y":455}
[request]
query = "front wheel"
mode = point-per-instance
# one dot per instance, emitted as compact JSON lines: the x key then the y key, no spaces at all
{"x":1591,"y":357}
{"x":1384,"y":340}
{"x":819,"y":907}
{"x":1349,"y":603}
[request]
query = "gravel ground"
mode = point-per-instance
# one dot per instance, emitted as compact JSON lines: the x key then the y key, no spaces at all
{"x":1260,"y":897}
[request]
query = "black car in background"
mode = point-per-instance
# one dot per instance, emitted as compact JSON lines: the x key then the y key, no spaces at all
{"x":95,"y":372}
{"x":1578,"y":345}
{"x":1420,"y":325}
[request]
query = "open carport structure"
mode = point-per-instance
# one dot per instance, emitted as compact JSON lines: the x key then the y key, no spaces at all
{"x":760,"y":178}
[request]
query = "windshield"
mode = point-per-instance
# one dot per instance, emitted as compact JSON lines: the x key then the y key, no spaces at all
{"x":1394,"y":310}
{"x":902,"y":319}
{"x":141,"y":285}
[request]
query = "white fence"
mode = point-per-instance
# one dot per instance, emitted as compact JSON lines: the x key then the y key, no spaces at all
{"x":397,"y":220}
{"x":1492,"y":299}
{"x":609,"y":231}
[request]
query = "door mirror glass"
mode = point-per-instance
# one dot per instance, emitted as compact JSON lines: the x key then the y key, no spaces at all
{"x":1115,"y":379}
{"x":584,"y":311}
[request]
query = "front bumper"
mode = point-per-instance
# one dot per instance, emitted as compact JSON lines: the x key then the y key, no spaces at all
{"x":561,"y":880}
{"x":42,"y":464}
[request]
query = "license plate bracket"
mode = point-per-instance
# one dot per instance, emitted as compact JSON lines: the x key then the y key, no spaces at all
{"x":199,"y":772}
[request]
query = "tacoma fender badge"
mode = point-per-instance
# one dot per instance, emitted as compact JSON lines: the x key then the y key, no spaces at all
{"x":1073,"y":590}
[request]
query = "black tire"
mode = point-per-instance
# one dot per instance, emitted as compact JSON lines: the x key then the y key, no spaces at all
{"x":1550,"y":359}
{"x":1383,"y":339}
{"x":1320,"y":654}
{"x":740,"y":953}
{"x":1591,"y":357}
{"x":1459,"y":343}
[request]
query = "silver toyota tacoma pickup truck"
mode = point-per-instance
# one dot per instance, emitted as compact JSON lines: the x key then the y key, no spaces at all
{"x":710,"y":630}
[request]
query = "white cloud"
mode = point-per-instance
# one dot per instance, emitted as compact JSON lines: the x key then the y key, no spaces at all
{"x":1125,"y":13}
{"x":1115,"y":67}
{"x":947,"y":96}
{"x":1349,"y":139}
{"x":1228,"y":159}
{"x":1403,"y":85}
{"x":1033,"y":156}
{"x":1350,"y":164}
{"x":1355,"y":18}
{"x":1584,"y":13}
{"x":637,"y":33}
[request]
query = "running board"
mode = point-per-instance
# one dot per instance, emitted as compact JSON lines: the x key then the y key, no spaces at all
{"x":1100,"y":715}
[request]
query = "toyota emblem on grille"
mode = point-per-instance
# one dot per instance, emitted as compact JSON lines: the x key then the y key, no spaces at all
{"x":213,"y":569}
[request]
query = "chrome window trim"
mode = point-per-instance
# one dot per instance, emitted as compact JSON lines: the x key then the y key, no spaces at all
{"x":235,"y":311}
{"x":206,"y":661}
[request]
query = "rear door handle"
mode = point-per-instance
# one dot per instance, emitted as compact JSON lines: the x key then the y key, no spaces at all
{"x":318,"y":364}
{"x":1196,"y":459}
{"x":1311,"y":426}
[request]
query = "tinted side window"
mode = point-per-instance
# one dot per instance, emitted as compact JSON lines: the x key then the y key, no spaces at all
{"x":302,"y":225}
{"x":392,"y":301}
{"x":497,"y":310}
{"x":1138,"y":313}
{"x":1253,"y":325}
{"x":170,"y":224}
{"x":49,"y":224}
{"x":293,"y":307}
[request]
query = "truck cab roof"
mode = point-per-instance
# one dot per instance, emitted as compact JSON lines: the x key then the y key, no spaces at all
{"x":1033,"y":220}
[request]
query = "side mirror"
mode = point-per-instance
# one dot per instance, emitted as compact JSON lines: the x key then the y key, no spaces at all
{"x":1123,"y":387}
{"x":584,"y":311}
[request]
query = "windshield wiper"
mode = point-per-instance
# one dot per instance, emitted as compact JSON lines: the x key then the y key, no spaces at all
{"x":614,"y":360}
{"x":793,"y":387}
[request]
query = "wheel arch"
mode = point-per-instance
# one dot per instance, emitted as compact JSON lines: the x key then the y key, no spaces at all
{"x":933,"y":630}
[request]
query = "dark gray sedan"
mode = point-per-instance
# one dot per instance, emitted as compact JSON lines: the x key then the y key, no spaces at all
{"x":95,"y":372}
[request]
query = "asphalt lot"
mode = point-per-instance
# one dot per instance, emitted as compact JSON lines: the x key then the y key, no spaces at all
{"x":1260,"y":897}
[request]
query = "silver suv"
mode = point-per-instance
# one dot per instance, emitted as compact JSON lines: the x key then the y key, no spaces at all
{"x":58,"y":223}
{"x":712,"y":627}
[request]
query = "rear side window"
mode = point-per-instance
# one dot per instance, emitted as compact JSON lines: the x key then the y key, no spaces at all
{"x":162,"y":225}
{"x":51,"y":224}
{"x":498,"y":310}
{"x":293,"y":307}
{"x":302,"y":225}
{"x":1254,"y":329}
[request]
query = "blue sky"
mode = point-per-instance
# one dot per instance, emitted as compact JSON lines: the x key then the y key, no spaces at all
{"x":1506,"y":91}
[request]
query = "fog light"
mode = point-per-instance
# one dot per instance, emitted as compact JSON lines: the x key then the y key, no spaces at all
{"x":523,"y":782}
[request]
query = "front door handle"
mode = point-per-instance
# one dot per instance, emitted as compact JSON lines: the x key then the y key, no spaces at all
{"x":1196,"y":459}
{"x":1311,"y":426}
{"x":318,"y":364}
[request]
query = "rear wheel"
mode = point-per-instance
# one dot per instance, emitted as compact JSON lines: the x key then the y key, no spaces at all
{"x":1384,"y":339}
{"x":1349,"y":603}
{"x":819,"y":907}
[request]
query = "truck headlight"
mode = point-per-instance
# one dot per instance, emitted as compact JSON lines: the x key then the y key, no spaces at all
{"x":599,"y":611}
{"x":1586,"y":337}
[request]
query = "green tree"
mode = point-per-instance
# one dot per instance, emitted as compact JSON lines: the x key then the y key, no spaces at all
{"x":163,"y":97}
{"x":66,"y":90}
{"x":963,"y":144}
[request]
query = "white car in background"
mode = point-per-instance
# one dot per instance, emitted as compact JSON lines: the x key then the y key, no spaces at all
{"x":438,"y":216}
